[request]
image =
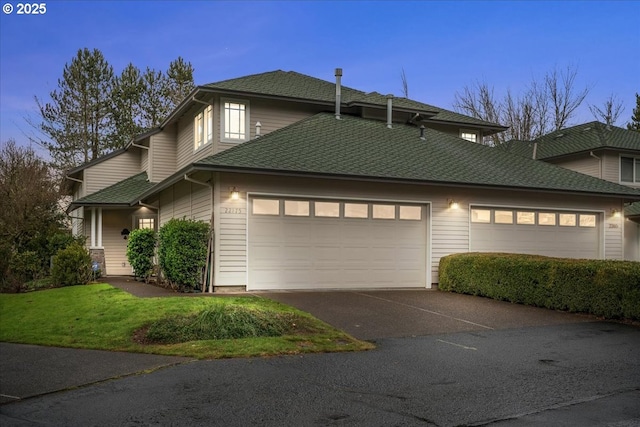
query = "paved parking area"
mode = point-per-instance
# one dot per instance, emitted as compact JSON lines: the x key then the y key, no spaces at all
{"x":371,"y":315}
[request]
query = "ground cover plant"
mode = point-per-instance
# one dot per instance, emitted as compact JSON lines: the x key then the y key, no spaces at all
{"x":100,"y":316}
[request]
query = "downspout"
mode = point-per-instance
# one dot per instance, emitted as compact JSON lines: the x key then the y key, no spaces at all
{"x":194,"y":99}
{"x":139,"y":146}
{"x":195,"y":181}
{"x":75,"y":179}
{"x":599,"y":160}
{"x":147,"y":206}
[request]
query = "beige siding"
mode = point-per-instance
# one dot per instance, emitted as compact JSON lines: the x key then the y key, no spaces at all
{"x":185,"y":149}
{"x":587,"y":165}
{"x":111,"y":171}
{"x":611,"y":167}
{"x":163,"y":154}
{"x":631,"y":241}
{"x":186,"y":200}
{"x":144,"y":161}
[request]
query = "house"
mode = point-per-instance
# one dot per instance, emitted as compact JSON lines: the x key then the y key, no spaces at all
{"x":603,"y":151}
{"x":310,"y":184}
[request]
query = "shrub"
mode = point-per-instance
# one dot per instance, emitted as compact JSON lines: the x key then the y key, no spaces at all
{"x":182,"y":252}
{"x":71,"y":266}
{"x":140,"y":251}
{"x":606,"y":288}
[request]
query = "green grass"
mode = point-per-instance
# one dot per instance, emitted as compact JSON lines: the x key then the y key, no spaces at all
{"x":106,"y":318}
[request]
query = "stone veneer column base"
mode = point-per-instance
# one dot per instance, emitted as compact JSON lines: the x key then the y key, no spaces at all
{"x":97,"y":255}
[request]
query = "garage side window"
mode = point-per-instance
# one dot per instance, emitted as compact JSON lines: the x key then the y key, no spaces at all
{"x":503,"y":217}
{"x":266,"y":207}
{"x":567,"y":220}
{"x":587,"y":220}
{"x":411,"y":213}
{"x":327,"y":209}
{"x":481,"y":215}
{"x":384,"y":212}
{"x":356,"y":210}
{"x":296,"y":208}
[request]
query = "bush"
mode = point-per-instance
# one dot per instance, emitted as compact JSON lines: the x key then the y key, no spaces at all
{"x":606,"y":288}
{"x":222,"y":322}
{"x":182,"y":252}
{"x":71,"y":266}
{"x":140,"y":251}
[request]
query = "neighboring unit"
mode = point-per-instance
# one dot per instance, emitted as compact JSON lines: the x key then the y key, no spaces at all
{"x":308,"y":184}
{"x":604,"y":151}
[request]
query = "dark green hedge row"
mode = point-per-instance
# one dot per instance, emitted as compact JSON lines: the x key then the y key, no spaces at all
{"x":602,"y":287}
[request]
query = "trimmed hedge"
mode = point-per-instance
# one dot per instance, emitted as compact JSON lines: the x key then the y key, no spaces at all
{"x":182,"y":252}
{"x":606,"y":288}
{"x":141,"y":248}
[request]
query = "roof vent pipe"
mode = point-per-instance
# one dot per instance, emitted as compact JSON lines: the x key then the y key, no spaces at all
{"x":422,"y":133}
{"x":338,"y":91}
{"x":389,"y":111}
{"x":535,"y":150}
{"x":258,"y":127}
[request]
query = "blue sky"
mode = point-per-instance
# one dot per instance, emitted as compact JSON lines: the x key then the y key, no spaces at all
{"x":442,"y":46}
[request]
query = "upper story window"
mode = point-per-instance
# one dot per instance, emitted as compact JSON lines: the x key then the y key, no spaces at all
{"x":235,"y":120}
{"x":630,"y":170}
{"x":203,"y":128}
{"x":469,"y":135}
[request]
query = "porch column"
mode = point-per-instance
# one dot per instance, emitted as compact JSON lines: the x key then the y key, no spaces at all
{"x":93,"y":227}
{"x":100,"y":227}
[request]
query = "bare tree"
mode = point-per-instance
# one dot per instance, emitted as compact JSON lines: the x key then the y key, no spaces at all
{"x":405,"y":84}
{"x":610,"y":111}
{"x":545,"y":105}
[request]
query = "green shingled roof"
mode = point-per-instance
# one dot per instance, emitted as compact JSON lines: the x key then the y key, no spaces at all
{"x":290,"y":84}
{"x":355,"y":147}
{"x":633,"y":210}
{"x":122,"y":193}
{"x":578,"y":139}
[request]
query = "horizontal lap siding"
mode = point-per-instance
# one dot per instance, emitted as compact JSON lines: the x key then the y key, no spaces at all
{"x":587,"y":165}
{"x":144,"y":161}
{"x":185,"y":150}
{"x":611,"y":167}
{"x":111,"y":171}
{"x":163,"y":154}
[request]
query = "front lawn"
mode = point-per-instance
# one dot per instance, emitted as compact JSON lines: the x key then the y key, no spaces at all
{"x":106,"y":318}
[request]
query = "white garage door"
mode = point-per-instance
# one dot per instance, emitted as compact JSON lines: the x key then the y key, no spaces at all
{"x":335,"y":244}
{"x":541,"y":232}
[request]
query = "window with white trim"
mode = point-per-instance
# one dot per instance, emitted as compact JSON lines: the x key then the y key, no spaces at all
{"x":203,"y":128}
{"x":630,"y":170}
{"x":469,"y":135}
{"x":235,"y":121}
{"x":147,"y":223}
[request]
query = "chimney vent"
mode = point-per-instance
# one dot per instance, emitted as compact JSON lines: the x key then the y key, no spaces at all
{"x":258,"y":127}
{"x":338,"y":91}
{"x":422,"y":133}
{"x":389,"y":111}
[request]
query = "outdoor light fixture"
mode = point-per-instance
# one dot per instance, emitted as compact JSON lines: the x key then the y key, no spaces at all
{"x":615,"y":213}
{"x":125,"y":233}
{"x":234,"y":193}
{"x":453,"y":204}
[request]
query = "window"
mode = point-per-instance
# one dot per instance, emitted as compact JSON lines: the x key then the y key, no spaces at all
{"x":203,"y":128}
{"x":328,"y":209}
{"x":469,"y":135}
{"x":296,"y":208}
{"x":630,"y":169}
{"x":149,"y":223}
{"x":567,"y":220}
{"x":503,"y":217}
{"x":384,"y":212}
{"x":587,"y":220}
{"x":235,"y":121}
{"x":266,"y":207}
{"x":411,"y":213}
{"x":546,"y":218}
{"x":356,"y":210}
{"x":481,"y":215}
{"x":527,"y":218}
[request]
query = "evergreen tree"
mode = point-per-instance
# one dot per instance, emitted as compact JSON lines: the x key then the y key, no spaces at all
{"x":154,"y":99}
{"x":127,"y":109}
{"x":634,"y":124}
{"x":77,"y":121}
{"x":180,"y":81}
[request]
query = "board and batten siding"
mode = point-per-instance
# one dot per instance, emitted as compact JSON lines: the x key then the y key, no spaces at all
{"x":163,"y":154}
{"x":111,"y":171}
{"x":185,"y":200}
{"x":587,"y":165}
{"x":448,"y":230}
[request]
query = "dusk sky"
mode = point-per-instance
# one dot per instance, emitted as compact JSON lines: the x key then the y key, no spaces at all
{"x":442,"y":46}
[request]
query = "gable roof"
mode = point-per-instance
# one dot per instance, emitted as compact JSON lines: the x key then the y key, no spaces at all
{"x":293,"y":85}
{"x":360,"y":148}
{"x":578,"y":139}
{"x":121,"y":194}
{"x":632,"y":211}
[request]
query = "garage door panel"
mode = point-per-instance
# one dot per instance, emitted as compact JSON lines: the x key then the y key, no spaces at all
{"x":329,"y":253}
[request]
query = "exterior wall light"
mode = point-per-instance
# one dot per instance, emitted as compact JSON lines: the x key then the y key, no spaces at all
{"x":615,"y":213}
{"x":235,"y":195}
{"x":125,"y":234}
{"x":453,"y":204}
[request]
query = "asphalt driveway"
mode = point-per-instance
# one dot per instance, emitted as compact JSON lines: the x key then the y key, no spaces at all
{"x":371,"y":315}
